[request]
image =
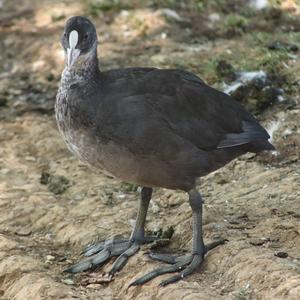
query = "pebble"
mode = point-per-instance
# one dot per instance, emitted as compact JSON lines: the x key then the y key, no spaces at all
{"x":155,"y":208}
{"x":257,"y":241}
{"x":23,"y":232}
{"x":214,"y":17}
{"x":50,"y":258}
{"x":68,"y":281}
{"x":281,"y":254}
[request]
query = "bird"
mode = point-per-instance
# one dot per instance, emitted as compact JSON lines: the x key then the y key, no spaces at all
{"x":155,"y":128}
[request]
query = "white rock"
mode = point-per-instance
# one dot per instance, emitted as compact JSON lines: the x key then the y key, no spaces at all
{"x":38,"y":65}
{"x":50,"y":258}
{"x":214,"y":17}
{"x":258,"y":4}
{"x":170,"y":13}
{"x":67,"y":281}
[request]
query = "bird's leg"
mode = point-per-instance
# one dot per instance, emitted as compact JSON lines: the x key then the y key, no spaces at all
{"x":186,"y":264}
{"x":138,"y":233}
{"x":98,"y":254}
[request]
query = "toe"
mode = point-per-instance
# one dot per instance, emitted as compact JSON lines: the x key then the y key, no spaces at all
{"x":80,"y":267}
{"x":189,"y":269}
{"x":163,"y":257}
{"x":157,"y":272}
{"x":171,"y":279}
{"x":100,"y":258}
{"x":93,"y":249}
{"x":214,"y":244}
{"x":123,"y":258}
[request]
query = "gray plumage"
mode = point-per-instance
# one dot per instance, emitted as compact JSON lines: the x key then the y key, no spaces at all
{"x":151,"y":127}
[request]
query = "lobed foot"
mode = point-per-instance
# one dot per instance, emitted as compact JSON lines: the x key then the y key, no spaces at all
{"x":100,"y":253}
{"x":185,"y":265}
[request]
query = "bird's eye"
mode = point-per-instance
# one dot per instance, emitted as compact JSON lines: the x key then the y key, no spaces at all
{"x":65,"y":34}
{"x":85,"y":37}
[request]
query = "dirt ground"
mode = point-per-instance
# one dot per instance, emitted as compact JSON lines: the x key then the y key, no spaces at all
{"x":254,"y":201}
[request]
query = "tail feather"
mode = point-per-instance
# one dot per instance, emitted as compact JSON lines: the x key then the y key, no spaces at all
{"x":252,"y":134}
{"x":258,"y":146}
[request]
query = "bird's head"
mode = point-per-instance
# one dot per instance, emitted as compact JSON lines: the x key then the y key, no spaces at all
{"x":79,"y":40}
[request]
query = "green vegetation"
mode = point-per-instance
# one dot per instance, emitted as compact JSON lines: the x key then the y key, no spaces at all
{"x":57,"y":184}
{"x":128,"y":187}
{"x":96,"y":6}
{"x":235,"y":21}
{"x":57,"y":17}
{"x":163,"y":233}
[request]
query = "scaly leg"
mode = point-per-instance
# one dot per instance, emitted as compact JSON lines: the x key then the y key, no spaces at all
{"x":186,"y":264}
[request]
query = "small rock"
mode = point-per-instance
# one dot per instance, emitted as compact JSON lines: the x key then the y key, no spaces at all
{"x":121,"y":196}
{"x":158,"y":244}
{"x":163,"y":35}
{"x":68,"y":281}
{"x":92,"y":286}
{"x":173,"y":15}
{"x":258,"y":4}
{"x":155,"y":208}
{"x":78,"y":197}
{"x":23,"y":232}
{"x":278,"y":46}
{"x":168,"y":233}
{"x":257,"y":242}
{"x":131,"y":223}
{"x":3,"y":100}
{"x":50,"y":77}
{"x":281,"y":254}
{"x":274,"y":245}
{"x":94,"y":279}
{"x":221,"y":180}
{"x":38,"y":65}
{"x":30,"y":158}
{"x":50,"y":258}
{"x":4,"y":171}
{"x":44,"y":179}
{"x":214,"y":17}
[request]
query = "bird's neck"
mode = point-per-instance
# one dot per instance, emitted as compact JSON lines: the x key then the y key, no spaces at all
{"x":84,"y":72}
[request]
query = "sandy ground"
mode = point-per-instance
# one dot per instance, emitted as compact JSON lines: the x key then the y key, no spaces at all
{"x":253,"y":201}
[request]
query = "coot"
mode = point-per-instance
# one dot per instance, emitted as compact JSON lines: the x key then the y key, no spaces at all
{"x":151,"y":127}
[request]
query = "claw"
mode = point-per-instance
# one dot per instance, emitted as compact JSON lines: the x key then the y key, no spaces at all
{"x":171,"y":279}
{"x":214,"y":244}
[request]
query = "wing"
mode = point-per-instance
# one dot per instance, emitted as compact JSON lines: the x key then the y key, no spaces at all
{"x":174,"y":108}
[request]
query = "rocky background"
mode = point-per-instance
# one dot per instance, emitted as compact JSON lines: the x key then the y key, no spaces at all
{"x":52,"y":206}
